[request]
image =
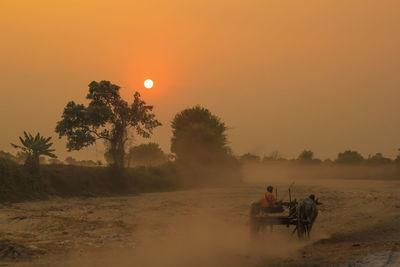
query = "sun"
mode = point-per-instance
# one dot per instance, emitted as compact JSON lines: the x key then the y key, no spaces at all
{"x":148,"y":83}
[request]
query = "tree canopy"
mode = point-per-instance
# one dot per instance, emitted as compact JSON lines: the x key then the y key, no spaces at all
{"x":378,"y":158}
{"x":33,"y":148}
{"x":349,"y":157}
{"x":199,"y":142}
{"x":107,"y":117}
{"x":307,"y":156}
{"x":198,"y":135}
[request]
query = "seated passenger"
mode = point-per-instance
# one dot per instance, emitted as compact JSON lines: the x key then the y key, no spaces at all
{"x":269,"y":203}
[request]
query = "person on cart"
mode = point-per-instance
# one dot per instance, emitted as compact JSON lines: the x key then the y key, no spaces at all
{"x":269,"y":203}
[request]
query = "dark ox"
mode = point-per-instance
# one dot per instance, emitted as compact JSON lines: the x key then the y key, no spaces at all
{"x":306,"y":213}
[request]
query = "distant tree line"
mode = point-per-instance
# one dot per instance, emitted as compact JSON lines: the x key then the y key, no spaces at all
{"x":151,"y":154}
{"x":347,"y":157}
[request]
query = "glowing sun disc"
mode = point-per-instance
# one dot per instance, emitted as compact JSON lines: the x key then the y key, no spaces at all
{"x":148,"y":83}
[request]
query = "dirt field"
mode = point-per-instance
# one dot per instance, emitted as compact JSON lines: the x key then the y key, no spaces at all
{"x":358,"y":224}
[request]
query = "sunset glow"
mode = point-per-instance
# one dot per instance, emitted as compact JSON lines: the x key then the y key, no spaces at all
{"x":148,"y":83}
{"x":294,"y":62}
{"x":148,"y":133}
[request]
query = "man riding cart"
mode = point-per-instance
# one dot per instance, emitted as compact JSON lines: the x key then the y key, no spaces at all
{"x":269,"y":203}
{"x":301,"y":214}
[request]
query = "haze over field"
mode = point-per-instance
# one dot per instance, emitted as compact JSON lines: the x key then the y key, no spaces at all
{"x":285,"y":75}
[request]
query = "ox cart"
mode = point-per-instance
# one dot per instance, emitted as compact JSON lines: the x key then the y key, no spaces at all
{"x":301,"y":215}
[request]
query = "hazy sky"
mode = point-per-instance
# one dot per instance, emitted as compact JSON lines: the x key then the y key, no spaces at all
{"x":283,"y":75}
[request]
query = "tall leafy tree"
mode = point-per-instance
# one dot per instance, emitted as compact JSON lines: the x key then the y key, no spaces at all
{"x":33,"y":148}
{"x":200,"y":144}
{"x":198,"y":135}
{"x":107,"y":117}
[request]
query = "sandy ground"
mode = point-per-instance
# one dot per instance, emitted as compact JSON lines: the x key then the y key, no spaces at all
{"x":358,"y":225}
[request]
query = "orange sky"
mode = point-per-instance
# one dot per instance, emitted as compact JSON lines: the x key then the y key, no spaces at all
{"x":285,"y":75}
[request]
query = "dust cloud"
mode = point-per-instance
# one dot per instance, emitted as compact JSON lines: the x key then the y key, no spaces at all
{"x":198,"y":240}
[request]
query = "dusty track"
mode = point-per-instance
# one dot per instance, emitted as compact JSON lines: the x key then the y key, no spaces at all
{"x":359,"y":224}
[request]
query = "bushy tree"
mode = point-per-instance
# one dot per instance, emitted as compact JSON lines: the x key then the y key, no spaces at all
{"x":349,"y":157}
{"x":199,"y":142}
{"x":34,"y":148}
{"x":378,"y":159}
{"x":307,"y":156}
{"x":107,"y":117}
{"x":149,"y":154}
{"x":198,"y":135}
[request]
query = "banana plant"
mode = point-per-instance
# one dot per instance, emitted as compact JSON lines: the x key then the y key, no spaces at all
{"x":34,"y":147}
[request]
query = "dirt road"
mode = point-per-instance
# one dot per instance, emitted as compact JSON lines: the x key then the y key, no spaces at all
{"x":358,"y":224}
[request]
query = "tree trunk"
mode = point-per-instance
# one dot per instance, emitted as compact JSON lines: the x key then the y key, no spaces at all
{"x":32,"y":163}
{"x":117,"y":149}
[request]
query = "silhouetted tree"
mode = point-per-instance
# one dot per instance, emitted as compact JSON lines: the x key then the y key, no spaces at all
{"x":198,"y":135}
{"x":377,"y":159}
{"x":200,"y":143}
{"x":108,"y":157}
{"x":306,"y":156}
{"x":34,"y":147}
{"x":349,"y":157}
{"x":149,"y":154}
{"x":107,"y":117}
